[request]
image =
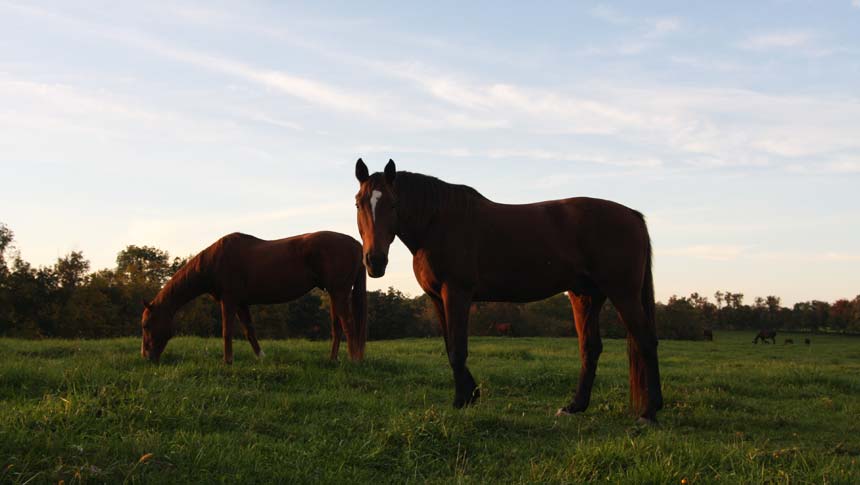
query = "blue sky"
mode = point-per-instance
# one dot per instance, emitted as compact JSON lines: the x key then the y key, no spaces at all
{"x":735,"y":127}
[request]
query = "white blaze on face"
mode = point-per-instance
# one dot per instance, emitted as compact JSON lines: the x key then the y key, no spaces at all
{"x":374,"y":198}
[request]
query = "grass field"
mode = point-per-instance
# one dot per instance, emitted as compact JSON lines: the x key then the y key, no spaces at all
{"x":94,"y":411}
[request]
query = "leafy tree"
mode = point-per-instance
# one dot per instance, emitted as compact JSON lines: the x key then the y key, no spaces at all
{"x":72,"y":270}
{"x":6,"y":238}
{"x":391,"y":315}
{"x":148,"y":265}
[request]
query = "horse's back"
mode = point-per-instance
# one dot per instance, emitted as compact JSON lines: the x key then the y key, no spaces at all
{"x":272,"y":271}
{"x":534,"y":250}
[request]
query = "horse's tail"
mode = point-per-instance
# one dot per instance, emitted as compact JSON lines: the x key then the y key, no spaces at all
{"x":359,"y":313}
{"x":648,"y":303}
{"x":638,"y":375}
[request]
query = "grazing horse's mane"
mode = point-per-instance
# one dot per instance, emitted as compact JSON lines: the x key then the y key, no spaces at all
{"x":188,"y":282}
{"x":423,"y":195}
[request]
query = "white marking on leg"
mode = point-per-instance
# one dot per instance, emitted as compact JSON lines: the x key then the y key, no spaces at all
{"x":374,"y":198}
{"x":262,"y":354}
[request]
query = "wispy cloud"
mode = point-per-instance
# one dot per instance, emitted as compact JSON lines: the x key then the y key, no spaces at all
{"x":642,"y":33}
{"x":610,"y":14}
{"x":711,"y":252}
{"x":800,"y":42}
{"x":777,"y":40}
{"x":305,"y":88}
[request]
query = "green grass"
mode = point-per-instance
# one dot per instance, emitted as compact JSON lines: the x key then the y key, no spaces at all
{"x":87,"y":411}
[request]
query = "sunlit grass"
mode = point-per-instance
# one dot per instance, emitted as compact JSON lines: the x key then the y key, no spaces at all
{"x":93,"y":411}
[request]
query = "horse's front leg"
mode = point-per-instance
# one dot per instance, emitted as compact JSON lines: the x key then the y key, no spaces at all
{"x":457,"y":304}
{"x":228,"y":318}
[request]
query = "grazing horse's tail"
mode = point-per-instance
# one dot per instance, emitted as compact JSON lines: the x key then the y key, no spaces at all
{"x":648,"y":290}
{"x":638,"y":376}
{"x":359,"y":312}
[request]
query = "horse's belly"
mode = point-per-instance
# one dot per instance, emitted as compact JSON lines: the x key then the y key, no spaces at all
{"x":531,"y":286}
{"x":278,"y":288}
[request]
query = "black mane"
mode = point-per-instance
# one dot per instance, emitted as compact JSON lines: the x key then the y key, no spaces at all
{"x":425,"y":195}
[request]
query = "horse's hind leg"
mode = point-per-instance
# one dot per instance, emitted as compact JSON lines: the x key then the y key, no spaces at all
{"x":586,"y":317}
{"x":335,"y":332}
{"x":244,"y":314}
{"x":645,"y":389}
{"x":340,"y":303}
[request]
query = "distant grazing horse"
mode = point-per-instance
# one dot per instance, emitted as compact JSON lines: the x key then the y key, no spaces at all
{"x":807,"y":341}
{"x":468,"y":248}
{"x":788,"y":341}
{"x":764,"y":335}
{"x":240,"y":270}
{"x":502,"y":329}
{"x":708,"y":334}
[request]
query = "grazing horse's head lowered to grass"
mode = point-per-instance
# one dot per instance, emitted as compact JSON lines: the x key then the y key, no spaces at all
{"x":157,"y":327}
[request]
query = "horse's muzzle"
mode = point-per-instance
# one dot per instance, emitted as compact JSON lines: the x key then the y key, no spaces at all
{"x":376,"y":264}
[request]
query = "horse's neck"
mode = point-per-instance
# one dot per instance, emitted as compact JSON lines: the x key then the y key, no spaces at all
{"x":185,"y":286}
{"x":416,"y":230}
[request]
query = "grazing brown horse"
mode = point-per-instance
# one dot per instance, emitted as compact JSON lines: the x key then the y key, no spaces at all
{"x":708,"y":334}
{"x":239,"y":270}
{"x":787,"y":341}
{"x":468,"y":248}
{"x":807,"y":341}
{"x":765,"y":334}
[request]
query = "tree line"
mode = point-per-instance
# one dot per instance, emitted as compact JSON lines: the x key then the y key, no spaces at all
{"x":68,"y":300}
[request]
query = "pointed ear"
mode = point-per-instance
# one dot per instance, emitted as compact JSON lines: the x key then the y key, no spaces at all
{"x":361,"y":171}
{"x":390,"y":171}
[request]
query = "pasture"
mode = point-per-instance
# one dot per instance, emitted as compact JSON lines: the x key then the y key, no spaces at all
{"x":94,"y":411}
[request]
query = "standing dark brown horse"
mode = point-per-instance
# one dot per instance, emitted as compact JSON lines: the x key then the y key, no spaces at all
{"x":239,"y":270}
{"x":468,"y":248}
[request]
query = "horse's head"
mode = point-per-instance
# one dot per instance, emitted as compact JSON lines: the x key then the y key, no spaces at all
{"x":376,"y":202}
{"x":157,"y":326}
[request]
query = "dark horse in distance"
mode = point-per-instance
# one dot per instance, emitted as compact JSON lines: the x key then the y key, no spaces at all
{"x":468,"y":248}
{"x":239,"y":270}
{"x":764,"y":335}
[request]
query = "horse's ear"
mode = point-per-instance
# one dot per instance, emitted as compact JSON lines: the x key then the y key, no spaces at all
{"x":146,"y":304}
{"x":390,"y":171}
{"x":361,"y":171}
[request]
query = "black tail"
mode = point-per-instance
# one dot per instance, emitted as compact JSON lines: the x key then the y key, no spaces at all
{"x":638,"y":374}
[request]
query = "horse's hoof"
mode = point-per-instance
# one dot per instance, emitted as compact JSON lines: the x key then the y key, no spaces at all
{"x":563,"y":412}
{"x":460,"y":402}
{"x":647,"y":422}
{"x":261,"y":355}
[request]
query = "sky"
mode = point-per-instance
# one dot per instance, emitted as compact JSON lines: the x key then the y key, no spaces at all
{"x":733,"y":126}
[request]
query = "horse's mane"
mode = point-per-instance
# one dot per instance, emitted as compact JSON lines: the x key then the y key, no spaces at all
{"x":424,"y":195}
{"x":187,"y":282}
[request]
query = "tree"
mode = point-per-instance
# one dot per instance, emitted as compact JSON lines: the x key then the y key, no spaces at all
{"x":391,"y":315}
{"x":71,"y":270}
{"x":6,"y":238}
{"x":145,"y":264}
